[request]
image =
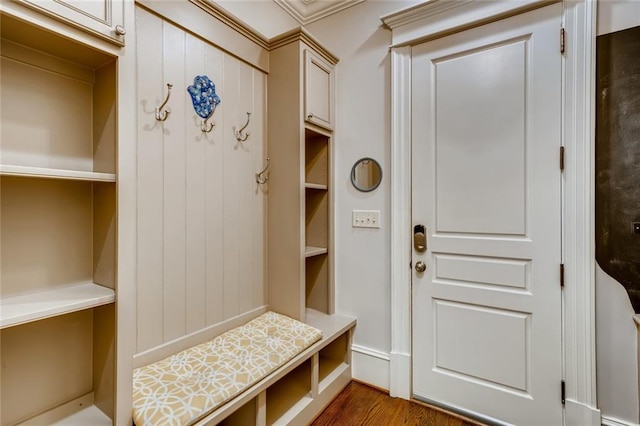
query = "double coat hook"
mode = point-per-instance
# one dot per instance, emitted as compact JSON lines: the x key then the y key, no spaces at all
{"x":239,"y":136}
{"x":160,"y":114}
{"x":208,"y":127}
{"x":263,"y":176}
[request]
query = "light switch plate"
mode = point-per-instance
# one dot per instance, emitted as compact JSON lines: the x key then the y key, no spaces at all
{"x":365,"y":219}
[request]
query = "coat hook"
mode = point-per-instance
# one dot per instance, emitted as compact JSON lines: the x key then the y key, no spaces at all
{"x":207,"y":127}
{"x":263,"y":176}
{"x":239,"y":136}
{"x":162,"y":115}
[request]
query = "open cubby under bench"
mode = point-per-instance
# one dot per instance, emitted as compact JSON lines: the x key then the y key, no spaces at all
{"x":272,"y":370}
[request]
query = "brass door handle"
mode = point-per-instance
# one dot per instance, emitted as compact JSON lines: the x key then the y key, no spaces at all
{"x":421,"y":266}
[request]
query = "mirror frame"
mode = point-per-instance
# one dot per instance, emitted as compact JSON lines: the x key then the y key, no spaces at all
{"x":355,"y":183}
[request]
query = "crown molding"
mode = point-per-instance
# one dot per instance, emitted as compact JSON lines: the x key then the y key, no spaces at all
{"x":420,"y":11}
{"x":307,"y":11}
{"x":300,"y":34}
{"x":231,"y":21}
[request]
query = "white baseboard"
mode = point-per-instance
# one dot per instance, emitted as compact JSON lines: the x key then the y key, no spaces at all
{"x":579,"y":414}
{"x":370,"y":366}
{"x":612,"y":421}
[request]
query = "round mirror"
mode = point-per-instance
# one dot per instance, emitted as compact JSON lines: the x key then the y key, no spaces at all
{"x":366,"y":174}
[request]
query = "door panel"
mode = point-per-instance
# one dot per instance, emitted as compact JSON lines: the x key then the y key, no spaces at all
{"x":488,"y":144}
{"x":486,"y":184}
{"x":463,"y":329}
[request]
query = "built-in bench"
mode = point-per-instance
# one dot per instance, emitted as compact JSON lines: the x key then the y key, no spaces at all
{"x":272,"y":370}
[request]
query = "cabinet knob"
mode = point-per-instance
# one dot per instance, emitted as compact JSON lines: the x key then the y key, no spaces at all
{"x":310,"y":115}
{"x":120,"y":30}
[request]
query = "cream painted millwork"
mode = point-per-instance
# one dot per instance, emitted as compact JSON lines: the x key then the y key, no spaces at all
{"x":125,"y":239}
{"x":59,"y":178}
{"x":202,"y":256}
{"x":300,"y":185}
{"x":101,"y":18}
{"x":201,"y":234}
{"x":318,"y":90}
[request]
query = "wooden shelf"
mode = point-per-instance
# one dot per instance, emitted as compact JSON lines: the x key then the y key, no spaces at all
{"x":87,"y":416}
{"x":16,"y":310}
{"x":41,"y":172}
{"x":311,"y":251}
{"x":330,"y":371}
{"x":289,"y":396}
{"x":78,"y":412}
{"x":316,"y":186}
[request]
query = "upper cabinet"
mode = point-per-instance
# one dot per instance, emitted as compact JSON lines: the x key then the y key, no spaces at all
{"x":318,"y":90}
{"x":101,"y":18}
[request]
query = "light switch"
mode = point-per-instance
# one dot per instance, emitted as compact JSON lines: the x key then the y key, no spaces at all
{"x":366,"y":219}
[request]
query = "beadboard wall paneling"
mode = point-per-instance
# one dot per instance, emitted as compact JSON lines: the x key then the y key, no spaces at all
{"x":201,"y":215}
{"x":151,"y":89}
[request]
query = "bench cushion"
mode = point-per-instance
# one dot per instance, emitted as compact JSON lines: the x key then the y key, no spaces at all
{"x":187,"y":386}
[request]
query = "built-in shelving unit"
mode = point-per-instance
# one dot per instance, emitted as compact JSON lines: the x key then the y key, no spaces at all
{"x":300,"y":198}
{"x":300,"y":245}
{"x":58,"y":226}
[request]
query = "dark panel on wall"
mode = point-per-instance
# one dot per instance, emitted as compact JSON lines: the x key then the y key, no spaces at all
{"x":618,"y":158}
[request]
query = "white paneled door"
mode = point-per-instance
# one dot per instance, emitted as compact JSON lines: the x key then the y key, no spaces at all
{"x":487,"y":188}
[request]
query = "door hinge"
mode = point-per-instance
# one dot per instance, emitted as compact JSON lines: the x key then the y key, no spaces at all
{"x":563,"y":392}
{"x":562,"y":158}
{"x":562,"y":39}
{"x":562,"y":275}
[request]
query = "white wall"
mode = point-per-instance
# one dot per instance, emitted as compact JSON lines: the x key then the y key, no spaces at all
{"x":616,"y":335}
{"x":616,"y":351}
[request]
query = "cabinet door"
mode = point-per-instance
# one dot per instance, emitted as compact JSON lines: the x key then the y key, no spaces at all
{"x":102,"y":18}
{"x":318,"y":90}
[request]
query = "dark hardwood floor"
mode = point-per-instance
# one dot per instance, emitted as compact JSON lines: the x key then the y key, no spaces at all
{"x":359,"y":404}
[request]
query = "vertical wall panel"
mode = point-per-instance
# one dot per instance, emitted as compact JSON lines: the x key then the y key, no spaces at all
{"x":195,"y":198}
{"x":201,"y":223}
{"x":245,"y":188}
{"x":232,"y":193}
{"x":258,"y":206}
{"x":151,"y":89}
{"x":213,"y":198}
{"x":174,"y":190}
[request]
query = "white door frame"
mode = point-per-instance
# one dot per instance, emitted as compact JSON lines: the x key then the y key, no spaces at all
{"x":437,"y":17}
